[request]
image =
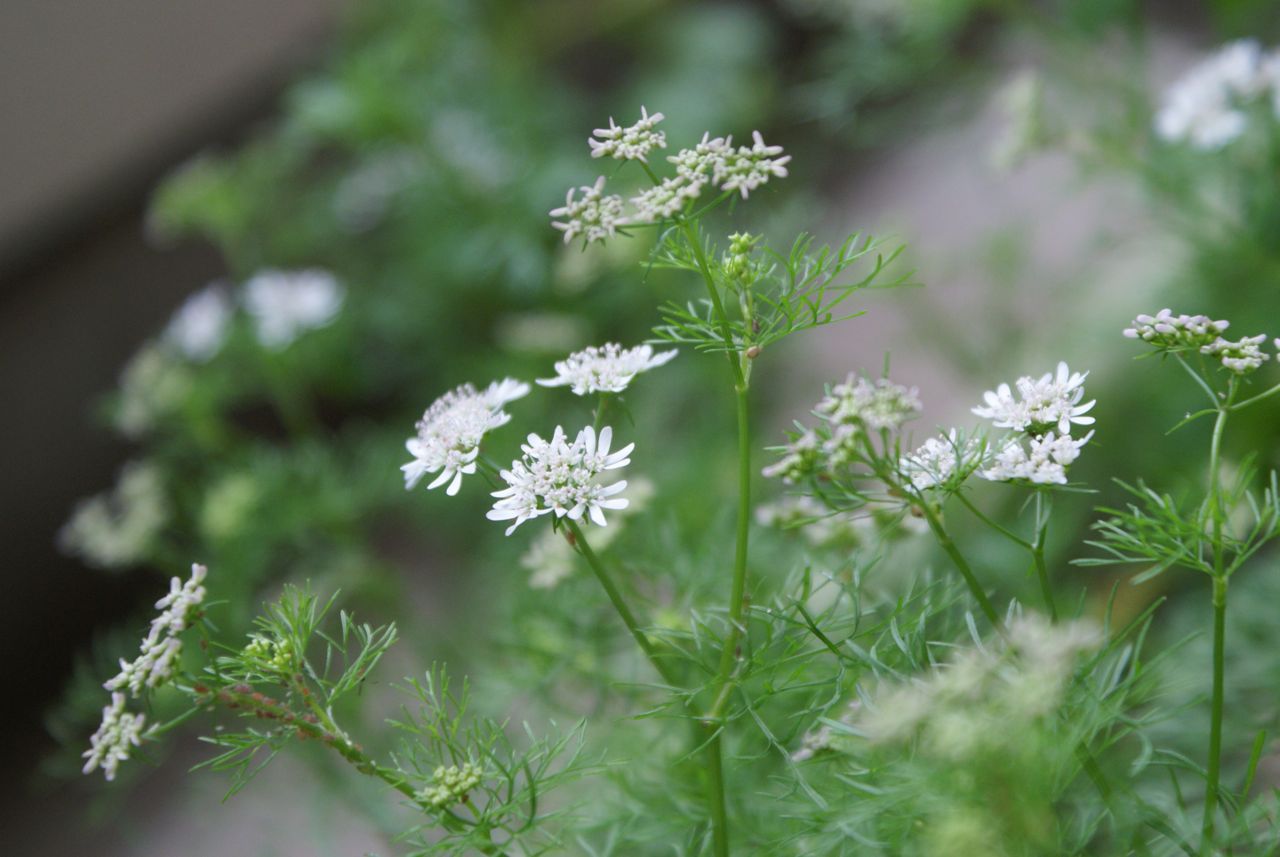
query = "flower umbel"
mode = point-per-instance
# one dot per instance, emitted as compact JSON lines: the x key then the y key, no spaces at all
{"x":163,"y":643}
{"x":449,"y":433}
{"x":593,"y":216}
{"x":1051,"y":402}
{"x":629,"y":144}
{"x":1046,"y":461}
{"x":939,"y":459}
{"x":558,"y":476}
{"x":110,"y":745}
{"x":608,"y":368}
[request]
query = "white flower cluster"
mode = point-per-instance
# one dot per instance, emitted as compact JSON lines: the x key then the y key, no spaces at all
{"x":1170,"y":332}
{"x":283,"y":305}
{"x":714,"y":162}
{"x":121,"y":730}
{"x":629,"y":144}
{"x":561,"y":477}
{"x":1046,"y":461}
{"x":1052,"y":401}
{"x":972,"y":702}
{"x":874,"y":405}
{"x":449,"y":433}
{"x":1205,"y":107}
{"x":163,"y":643}
{"x":1042,"y":414}
{"x":153,"y":386}
{"x":594,"y":216}
{"x":801,"y":457}
{"x":199,"y":327}
{"x":1166,"y":330}
{"x":286,"y":304}
{"x":936,"y":462}
{"x":848,"y":411}
{"x":605,"y":369}
{"x":1242,"y":356}
{"x":111,"y":744}
{"x":117,"y":529}
{"x":450,"y":785}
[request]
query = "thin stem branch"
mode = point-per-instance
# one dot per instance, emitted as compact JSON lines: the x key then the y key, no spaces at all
{"x":619,"y":602}
{"x":1215,"y":725}
{"x":1004,"y":531}
{"x":962,"y":565}
{"x":1044,"y":504}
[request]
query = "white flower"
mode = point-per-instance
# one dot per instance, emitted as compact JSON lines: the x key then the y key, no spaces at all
{"x":629,"y":144}
{"x":876,"y":405}
{"x":560,"y":477}
{"x":800,"y":458}
{"x":605,"y":369}
{"x":1166,"y":330}
{"x":117,"y":529}
{"x":199,"y":327}
{"x":1241,"y":357}
{"x":594,"y":216}
{"x":1201,"y":108}
{"x":1045,"y":463}
{"x":111,"y":744}
{"x":286,"y":304}
{"x":1051,"y":402}
{"x":750,"y":166}
{"x":937,"y":460}
{"x":162,"y":645}
{"x":699,"y":164}
{"x":152,"y":387}
{"x":668,"y":198}
{"x":449,"y":433}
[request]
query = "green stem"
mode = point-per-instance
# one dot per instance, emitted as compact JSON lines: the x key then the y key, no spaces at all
{"x":1219,"y":622}
{"x":722,"y":318}
{"x":1004,"y":531}
{"x":619,"y":603}
{"x":737,"y":595}
{"x":600,"y":409}
{"x":1258,"y":398}
{"x":1215,"y":725}
{"x":1043,"y":508}
{"x":962,"y":565}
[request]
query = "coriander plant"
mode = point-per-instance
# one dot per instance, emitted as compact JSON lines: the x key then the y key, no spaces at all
{"x":840,"y":694}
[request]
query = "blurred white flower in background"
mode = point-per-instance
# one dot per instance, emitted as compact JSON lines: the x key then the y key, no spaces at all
{"x":199,"y":327}
{"x":116,"y":529}
{"x":1204,"y":106}
{"x":286,"y":304}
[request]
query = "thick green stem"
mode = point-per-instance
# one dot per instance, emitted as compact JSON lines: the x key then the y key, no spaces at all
{"x":962,"y":565}
{"x":1215,"y":723}
{"x":737,"y":595}
{"x":1218,"y":513}
{"x":619,"y":603}
{"x":722,"y":318}
{"x":1043,"y":508}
